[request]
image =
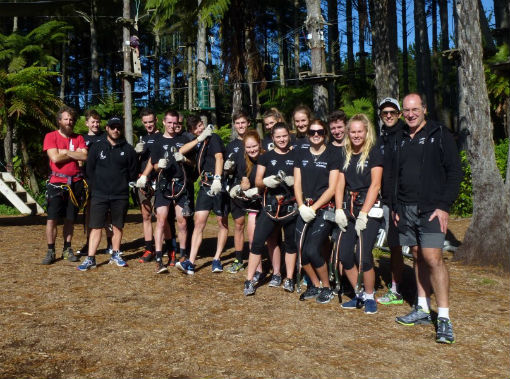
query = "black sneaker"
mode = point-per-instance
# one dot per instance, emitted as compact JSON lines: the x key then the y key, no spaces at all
{"x":416,"y":317}
{"x":325,"y":296}
{"x":257,"y":277}
{"x":49,"y":258}
{"x":160,"y":267}
{"x":249,"y":288}
{"x":288,"y":285}
{"x":84,"y":251}
{"x":311,"y":293}
{"x":69,"y":255}
{"x":444,"y":332}
{"x":276,"y":281}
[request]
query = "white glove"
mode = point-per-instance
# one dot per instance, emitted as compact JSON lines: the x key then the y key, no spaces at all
{"x":139,"y":147}
{"x":271,"y":181}
{"x":306,"y":213}
{"x":162,"y":163}
{"x":228,"y":165}
{"x":178,"y":157}
{"x":361,"y":222}
{"x":289,"y":180}
{"x":235,"y":191}
{"x":206,"y":133}
{"x":141,"y":182}
{"x":341,"y":219}
{"x":216,"y":187}
{"x":251,"y":193}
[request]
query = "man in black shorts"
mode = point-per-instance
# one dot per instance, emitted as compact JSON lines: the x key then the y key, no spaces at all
{"x":111,"y":166}
{"x":426,"y":178}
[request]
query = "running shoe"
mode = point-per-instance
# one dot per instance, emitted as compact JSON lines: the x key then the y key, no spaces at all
{"x":117,"y":259}
{"x":370,"y":306}
{"x":249,"y":288}
{"x":311,"y":293}
{"x":146,"y":257}
{"x":69,"y":255}
{"x":257,"y":277}
{"x":354,"y":303}
{"x":391,"y":298}
{"x":49,"y":258}
{"x":416,"y":317}
{"x":216,"y":266}
{"x":325,"y":295}
{"x":235,"y":267}
{"x":288,"y":285}
{"x":187,"y":267}
{"x":171,"y":261}
{"x":160,"y":267}
{"x":87,"y":264}
{"x":276,"y":281}
{"x":444,"y":332}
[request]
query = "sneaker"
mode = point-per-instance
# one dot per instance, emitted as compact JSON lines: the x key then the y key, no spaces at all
{"x":276,"y":281}
{"x":370,"y":306}
{"x":354,"y":303}
{"x":249,"y":288}
{"x":49,"y":258}
{"x":235,"y":267}
{"x":69,"y":255}
{"x":146,"y":257}
{"x":311,"y":293}
{"x":257,"y":277}
{"x":117,"y":259}
{"x":171,"y":261}
{"x":216,"y":266}
{"x":325,"y":295}
{"x":87,"y":264}
{"x":444,"y":332}
{"x":416,"y":317}
{"x":84,"y":251}
{"x":187,"y":267}
{"x":391,"y":298}
{"x":160,"y":268}
{"x":288,"y":285}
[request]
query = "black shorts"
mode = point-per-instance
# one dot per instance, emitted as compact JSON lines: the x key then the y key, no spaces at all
{"x":163,"y":201}
{"x":264,"y":227}
{"x":59,"y":200}
{"x":219,"y":204}
{"x":239,"y":207}
{"x":99,"y":211}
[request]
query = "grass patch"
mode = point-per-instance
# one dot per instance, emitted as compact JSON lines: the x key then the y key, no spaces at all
{"x":8,"y":210}
{"x":488,"y":282}
{"x":378,"y":253}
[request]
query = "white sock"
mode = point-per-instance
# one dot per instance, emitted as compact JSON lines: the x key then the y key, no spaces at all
{"x":394,"y":287}
{"x":368,"y":296}
{"x":424,"y":304}
{"x":443,"y":312}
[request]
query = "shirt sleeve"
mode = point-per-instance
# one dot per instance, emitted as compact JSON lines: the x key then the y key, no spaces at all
{"x":49,"y":141}
{"x":376,"y":158}
{"x":263,"y":159}
{"x":216,"y":145}
{"x":155,"y":153}
{"x":81,"y":142}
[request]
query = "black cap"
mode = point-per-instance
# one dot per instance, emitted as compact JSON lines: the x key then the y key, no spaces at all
{"x":115,"y":120}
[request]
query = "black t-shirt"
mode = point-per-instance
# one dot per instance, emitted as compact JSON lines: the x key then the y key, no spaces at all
{"x":339,"y":153}
{"x":91,"y":139}
{"x":300,"y":142}
{"x":241,"y":170}
{"x":150,"y":141}
{"x":315,"y":171}
{"x":357,"y":181}
{"x":205,"y":158}
{"x":234,"y":149}
{"x":274,"y":162}
{"x":165,"y":148}
{"x":411,"y":152}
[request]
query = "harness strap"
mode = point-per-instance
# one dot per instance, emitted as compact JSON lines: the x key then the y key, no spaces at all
{"x":68,"y":177}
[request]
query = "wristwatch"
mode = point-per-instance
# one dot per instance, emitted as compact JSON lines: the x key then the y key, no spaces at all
{"x":217,"y":177}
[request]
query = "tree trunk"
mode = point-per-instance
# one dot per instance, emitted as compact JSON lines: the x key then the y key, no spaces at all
{"x":433,"y":5}
{"x":446,"y":93}
{"x":26,"y":161}
{"x":296,"y":40}
{"x":212,"y":94}
{"x":281,"y":52}
{"x":384,"y":56}
{"x":94,"y":66}
{"x":157,"y":44}
{"x":362,"y":23}
{"x":237,"y":98}
{"x":201,"y":72}
{"x":190,"y":76}
{"x":63,"y":71}
{"x":8,"y":143}
{"x":127,"y":99}
{"x":488,"y":42}
{"x":315,"y":27}
{"x":350,"y":37}
{"x":333,"y":37}
{"x":405,"y":64}
{"x":488,"y":237}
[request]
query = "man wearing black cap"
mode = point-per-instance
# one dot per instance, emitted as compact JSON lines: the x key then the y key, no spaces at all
{"x":111,"y":165}
{"x":389,"y":112}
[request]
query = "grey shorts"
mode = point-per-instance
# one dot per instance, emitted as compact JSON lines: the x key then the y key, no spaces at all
{"x":392,"y":237}
{"x":415,"y":229}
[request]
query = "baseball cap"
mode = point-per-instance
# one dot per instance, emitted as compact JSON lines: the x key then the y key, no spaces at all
{"x":389,"y":101}
{"x":115,"y":120}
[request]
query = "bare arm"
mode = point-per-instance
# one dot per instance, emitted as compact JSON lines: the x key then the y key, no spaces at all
{"x":298,"y":189}
{"x":373,"y":190}
{"x":149,"y":168}
{"x":261,"y":170}
{"x":329,"y":193}
{"x":64,"y":155}
{"x":218,"y":165}
{"x":188,"y":147}
{"x":339,"y":191}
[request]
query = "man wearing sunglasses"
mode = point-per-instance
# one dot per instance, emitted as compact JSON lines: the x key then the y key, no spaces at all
{"x":389,"y":112}
{"x":111,"y":165}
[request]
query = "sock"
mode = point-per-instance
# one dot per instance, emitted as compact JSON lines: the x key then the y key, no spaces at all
{"x":368,"y":296}
{"x":51,"y":246}
{"x":239,"y":255}
{"x":168,"y":245}
{"x":443,"y":312}
{"x":174,"y":244}
{"x":92,"y":258}
{"x":67,"y":245}
{"x":149,"y":246}
{"x":424,"y":304}
{"x":183,"y":252}
{"x":394,"y":286}
{"x":109,"y":242}
{"x":159,"y":256}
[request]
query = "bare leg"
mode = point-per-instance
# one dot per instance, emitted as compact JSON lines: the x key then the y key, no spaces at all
{"x":253,"y":262}
{"x":323,"y":275}
{"x":196,"y":238}
{"x":290,"y":264}
{"x":439,"y":278}
{"x":369,"y":280}
{"x":51,"y":231}
{"x":222,"y":235}
{"x":311,"y":274}
{"x":68,"y":230}
{"x":421,"y":272}
{"x":117,"y":238}
{"x":397,"y":264}
{"x":146,"y":210}
{"x":239,"y":234}
{"x":182,"y":227}
{"x":94,"y":240}
{"x":161,"y":216}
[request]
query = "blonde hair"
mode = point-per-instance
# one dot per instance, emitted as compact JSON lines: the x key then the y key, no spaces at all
{"x":367,"y":146}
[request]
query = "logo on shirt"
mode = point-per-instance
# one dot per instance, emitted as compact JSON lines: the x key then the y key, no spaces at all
{"x":165,"y":147}
{"x":421,"y":141}
{"x":321,"y":164}
{"x":273,"y":162}
{"x":236,"y":149}
{"x":71,"y":146}
{"x":121,"y":153}
{"x":289,"y":162}
{"x":101,"y":155}
{"x":305,"y":162}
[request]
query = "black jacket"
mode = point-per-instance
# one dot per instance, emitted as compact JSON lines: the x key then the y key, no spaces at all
{"x":440,"y":171}
{"x":111,"y":168}
{"x":386,"y":143}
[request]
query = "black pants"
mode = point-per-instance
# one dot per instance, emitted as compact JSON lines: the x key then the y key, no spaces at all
{"x":264,"y":226}
{"x":317,"y":231}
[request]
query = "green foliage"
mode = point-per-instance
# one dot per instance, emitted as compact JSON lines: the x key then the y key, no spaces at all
{"x":497,"y":84}
{"x":361,"y":105}
{"x":8,"y":210}
{"x":286,"y":98}
{"x":225,"y":132}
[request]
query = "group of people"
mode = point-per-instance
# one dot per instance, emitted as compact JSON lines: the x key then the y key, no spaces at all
{"x":318,"y":194}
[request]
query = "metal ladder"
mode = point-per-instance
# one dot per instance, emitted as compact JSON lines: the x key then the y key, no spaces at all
{"x":17,"y":195}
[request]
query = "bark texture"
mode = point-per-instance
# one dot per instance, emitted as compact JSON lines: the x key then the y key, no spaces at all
{"x":128,"y":116}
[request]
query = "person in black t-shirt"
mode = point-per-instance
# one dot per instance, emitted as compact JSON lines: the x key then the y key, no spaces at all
{"x":210,"y":152}
{"x":356,"y":194}
{"x":315,"y":178}
{"x":275,"y":178}
{"x":270,"y":118}
{"x":301,"y":118}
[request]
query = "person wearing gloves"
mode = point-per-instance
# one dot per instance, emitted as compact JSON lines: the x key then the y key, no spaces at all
{"x":209,"y":151}
{"x":315,"y":179}
{"x":274,"y":179}
{"x":359,"y":211}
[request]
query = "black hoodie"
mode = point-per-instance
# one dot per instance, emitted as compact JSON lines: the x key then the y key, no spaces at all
{"x":110,"y":168}
{"x":386,"y":144}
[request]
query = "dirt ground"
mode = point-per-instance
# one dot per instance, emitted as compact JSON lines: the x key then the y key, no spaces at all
{"x":116,"y":322}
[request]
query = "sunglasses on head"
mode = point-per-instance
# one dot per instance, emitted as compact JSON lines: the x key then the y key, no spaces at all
{"x":312,"y":132}
{"x":392,"y":113}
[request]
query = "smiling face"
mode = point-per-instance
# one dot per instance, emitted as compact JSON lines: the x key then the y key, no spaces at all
{"x":252,"y":148}
{"x":149,"y":122}
{"x":93,"y":124}
{"x":198,"y":129}
{"x":337,"y":129}
{"x":241,"y":125}
{"x":414,"y":111}
{"x":357,"y":135}
{"x":281,"y":138}
{"x":66,"y":123}
{"x":269,"y":123}
{"x":178,"y":127}
{"x":389,"y":116}
{"x":301,"y":121}
{"x":316,"y":135}
{"x":170,"y":123}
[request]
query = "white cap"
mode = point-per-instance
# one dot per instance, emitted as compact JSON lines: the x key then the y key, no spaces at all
{"x":389,"y":100}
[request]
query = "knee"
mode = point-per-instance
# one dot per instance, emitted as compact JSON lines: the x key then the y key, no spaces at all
{"x":433,"y":260}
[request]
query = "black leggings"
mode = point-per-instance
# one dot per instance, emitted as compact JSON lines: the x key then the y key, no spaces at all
{"x":264,"y":226}
{"x":317,"y":231}
{"x":348,"y":240}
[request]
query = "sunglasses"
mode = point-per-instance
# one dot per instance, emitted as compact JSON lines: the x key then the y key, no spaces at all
{"x":115,"y":126}
{"x":312,"y":132}
{"x":391,"y":113}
